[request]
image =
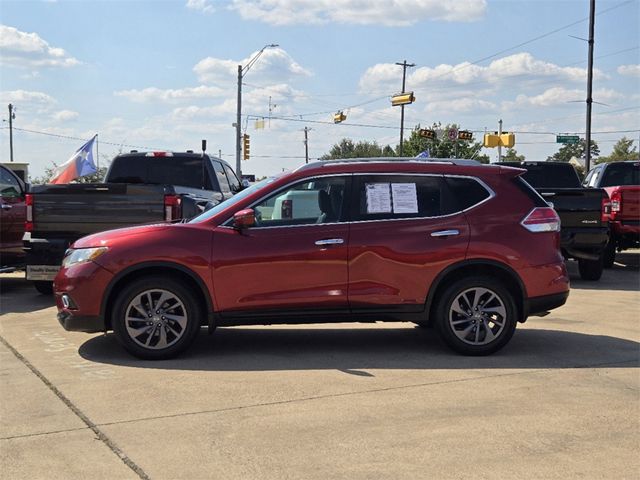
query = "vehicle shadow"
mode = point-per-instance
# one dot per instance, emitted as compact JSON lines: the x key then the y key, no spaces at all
{"x":624,"y":275}
{"x":15,"y":289}
{"x":360,"y":349}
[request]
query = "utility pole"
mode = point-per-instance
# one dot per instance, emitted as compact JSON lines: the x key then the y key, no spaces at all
{"x":12,"y":115}
{"x":404,"y":66}
{"x":306,"y":145}
{"x":592,"y":19}
{"x":242,"y":71}
{"x":500,"y":144}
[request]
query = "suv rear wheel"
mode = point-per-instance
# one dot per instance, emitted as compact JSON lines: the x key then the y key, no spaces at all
{"x":156,"y":318}
{"x":476,"y":316}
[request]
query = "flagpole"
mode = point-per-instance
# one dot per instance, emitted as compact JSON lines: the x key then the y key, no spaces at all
{"x":97,"y":155}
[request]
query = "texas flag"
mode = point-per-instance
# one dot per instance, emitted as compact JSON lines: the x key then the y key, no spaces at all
{"x":79,"y":165}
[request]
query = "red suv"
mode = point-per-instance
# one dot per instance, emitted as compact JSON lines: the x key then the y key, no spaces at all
{"x":469,"y":248}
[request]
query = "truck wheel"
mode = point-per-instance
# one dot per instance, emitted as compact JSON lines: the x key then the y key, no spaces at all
{"x":45,"y":288}
{"x":476,"y":316}
{"x":609,"y":254}
{"x":590,"y":269}
{"x":156,"y":318}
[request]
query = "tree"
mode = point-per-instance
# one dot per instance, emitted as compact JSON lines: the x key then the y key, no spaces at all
{"x":512,"y":156}
{"x":347,"y":149}
{"x":441,"y":147}
{"x":577,"y":150}
{"x":622,"y":150}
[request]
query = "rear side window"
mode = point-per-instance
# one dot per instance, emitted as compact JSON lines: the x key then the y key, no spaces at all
{"x":222,"y":177}
{"x":530,"y":192}
{"x":466,"y":192}
{"x":382,"y":197}
{"x":622,"y":173}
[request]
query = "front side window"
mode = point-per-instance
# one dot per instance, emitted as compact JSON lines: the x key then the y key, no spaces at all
{"x":315,"y":201}
{"x":234,"y":183}
{"x":222,"y":177}
{"x":9,"y":185}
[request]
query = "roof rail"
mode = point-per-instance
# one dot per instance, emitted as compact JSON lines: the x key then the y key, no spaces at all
{"x":449,"y":161}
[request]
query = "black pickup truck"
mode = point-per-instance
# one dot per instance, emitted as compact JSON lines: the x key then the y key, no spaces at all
{"x":584,"y":226}
{"x":138,"y":188}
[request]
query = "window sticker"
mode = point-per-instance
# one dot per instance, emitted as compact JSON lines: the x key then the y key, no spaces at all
{"x":405,"y":198}
{"x":378,"y":198}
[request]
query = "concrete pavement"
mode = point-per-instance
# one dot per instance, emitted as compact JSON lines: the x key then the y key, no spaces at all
{"x":351,"y":401}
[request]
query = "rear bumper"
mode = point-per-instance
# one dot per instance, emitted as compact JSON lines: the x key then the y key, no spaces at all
{"x":537,"y":305}
{"x":626,"y":227}
{"x":585,"y":243}
{"x":43,"y":257}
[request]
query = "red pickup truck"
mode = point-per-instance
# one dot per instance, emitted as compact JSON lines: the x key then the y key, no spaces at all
{"x":12,"y":217}
{"x":621,"y":180}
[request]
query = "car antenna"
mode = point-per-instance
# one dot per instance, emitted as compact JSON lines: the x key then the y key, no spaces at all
{"x":204,"y":149}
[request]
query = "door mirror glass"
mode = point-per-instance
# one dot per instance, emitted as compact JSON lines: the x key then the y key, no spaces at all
{"x":244,"y":219}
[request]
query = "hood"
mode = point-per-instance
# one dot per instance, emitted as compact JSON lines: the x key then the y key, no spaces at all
{"x":105,"y":239}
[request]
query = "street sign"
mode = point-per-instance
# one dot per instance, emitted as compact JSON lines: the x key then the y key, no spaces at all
{"x":453,"y":134}
{"x":567,"y":139}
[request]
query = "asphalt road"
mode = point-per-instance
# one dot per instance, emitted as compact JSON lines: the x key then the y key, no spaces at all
{"x":349,"y":401}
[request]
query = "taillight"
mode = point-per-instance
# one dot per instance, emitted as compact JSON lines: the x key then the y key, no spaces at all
{"x":606,"y":210}
{"x":172,"y":210}
{"x":28,"y":224}
{"x":616,"y":203}
{"x":286,"y":211}
{"x":541,"y":219}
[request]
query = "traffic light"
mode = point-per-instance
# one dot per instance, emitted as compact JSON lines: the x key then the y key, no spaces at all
{"x":426,"y":133}
{"x":403,"y":98}
{"x":245,"y":147}
{"x":507,"y":139}
{"x":339,"y":117}
{"x":465,"y":135}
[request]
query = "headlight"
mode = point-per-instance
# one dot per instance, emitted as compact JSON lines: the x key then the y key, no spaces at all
{"x":81,"y":255}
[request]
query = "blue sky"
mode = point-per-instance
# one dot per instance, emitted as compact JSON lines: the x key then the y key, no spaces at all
{"x":162,"y":74}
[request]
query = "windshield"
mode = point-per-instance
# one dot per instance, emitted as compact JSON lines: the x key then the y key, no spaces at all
{"x":237,"y":198}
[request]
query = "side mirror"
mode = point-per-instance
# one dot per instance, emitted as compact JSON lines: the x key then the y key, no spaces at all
{"x":244,"y":219}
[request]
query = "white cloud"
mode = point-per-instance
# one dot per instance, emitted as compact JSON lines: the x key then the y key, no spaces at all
{"x":29,"y":50}
{"x":25,"y":98}
{"x":397,"y":13}
{"x":153,"y":94}
{"x":275,"y":64}
{"x":522,"y":67}
{"x":205,"y":6}
{"x":557,"y":96}
{"x":631,"y":70}
{"x":461,"y":105}
{"x":65,"y":115}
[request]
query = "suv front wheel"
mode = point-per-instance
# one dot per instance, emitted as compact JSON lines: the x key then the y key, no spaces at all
{"x":476,"y":316}
{"x":156,"y":318}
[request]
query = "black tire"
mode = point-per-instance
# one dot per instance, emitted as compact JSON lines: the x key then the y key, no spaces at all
{"x":590,"y":269}
{"x":446,"y":316}
{"x":45,"y":288}
{"x":609,"y":254}
{"x":152,"y":329}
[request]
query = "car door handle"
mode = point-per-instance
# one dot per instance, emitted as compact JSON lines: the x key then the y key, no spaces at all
{"x":330,"y":241}
{"x":445,"y":233}
{"x":5,"y":206}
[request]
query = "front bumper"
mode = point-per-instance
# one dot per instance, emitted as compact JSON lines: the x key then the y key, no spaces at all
{"x":76,"y":323}
{"x":83,"y":285}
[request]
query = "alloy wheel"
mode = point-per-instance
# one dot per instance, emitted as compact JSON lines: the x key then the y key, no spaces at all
{"x":477,"y":316}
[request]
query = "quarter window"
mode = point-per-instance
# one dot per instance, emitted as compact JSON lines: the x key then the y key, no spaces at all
{"x":466,"y":192}
{"x":319,"y":200}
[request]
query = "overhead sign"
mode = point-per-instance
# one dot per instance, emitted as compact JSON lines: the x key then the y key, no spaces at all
{"x":567,"y":139}
{"x":453,"y":134}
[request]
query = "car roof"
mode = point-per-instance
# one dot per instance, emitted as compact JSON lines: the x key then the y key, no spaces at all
{"x":459,"y":166}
